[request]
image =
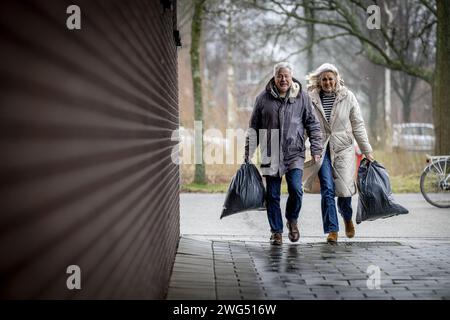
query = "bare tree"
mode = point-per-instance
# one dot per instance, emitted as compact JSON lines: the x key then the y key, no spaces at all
{"x":384,"y":46}
{"x":405,"y":85}
{"x":196,"y":35}
{"x":441,"y":94}
{"x":309,"y":14}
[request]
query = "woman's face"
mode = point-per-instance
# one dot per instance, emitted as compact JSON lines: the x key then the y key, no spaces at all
{"x":328,"y":81}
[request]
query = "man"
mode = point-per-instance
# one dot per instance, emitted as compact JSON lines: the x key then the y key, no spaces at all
{"x":281,"y":115}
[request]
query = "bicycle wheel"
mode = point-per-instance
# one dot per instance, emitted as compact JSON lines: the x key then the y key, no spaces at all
{"x":435,"y":183}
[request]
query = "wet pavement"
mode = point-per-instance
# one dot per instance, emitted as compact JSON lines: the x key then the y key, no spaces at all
{"x":200,"y":216}
{"x":248,"y":270}
{"x":232,"y":259}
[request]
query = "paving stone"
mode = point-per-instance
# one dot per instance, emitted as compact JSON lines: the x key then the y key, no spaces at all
{"x":252,"y":270}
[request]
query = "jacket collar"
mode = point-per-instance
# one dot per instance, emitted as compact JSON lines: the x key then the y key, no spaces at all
{"x":315,"y":99}
{"x":292,"y":94}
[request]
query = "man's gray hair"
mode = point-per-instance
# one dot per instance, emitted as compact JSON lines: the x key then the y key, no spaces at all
{"x":281,"y":65}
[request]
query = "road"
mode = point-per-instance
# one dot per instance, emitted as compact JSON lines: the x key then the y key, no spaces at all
{"x":200,"y":216}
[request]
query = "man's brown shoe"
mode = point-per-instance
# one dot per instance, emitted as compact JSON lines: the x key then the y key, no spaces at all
{"x":332,"y":237}
{"x":294,"y":234}
{"x":349,"y":229}
{"x":276,"y":239}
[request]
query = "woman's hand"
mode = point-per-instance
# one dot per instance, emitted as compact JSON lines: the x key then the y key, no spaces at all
{"x":369,"y":157}
{"x":317,"y":158}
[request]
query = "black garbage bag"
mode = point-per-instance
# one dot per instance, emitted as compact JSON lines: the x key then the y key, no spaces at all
{"x":375,"y":194}
{"x":246,"y":191}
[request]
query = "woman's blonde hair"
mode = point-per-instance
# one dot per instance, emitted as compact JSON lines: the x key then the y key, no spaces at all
{"x":315,"y":77}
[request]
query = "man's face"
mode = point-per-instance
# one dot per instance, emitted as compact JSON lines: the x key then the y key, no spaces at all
{"x":283,"y":80}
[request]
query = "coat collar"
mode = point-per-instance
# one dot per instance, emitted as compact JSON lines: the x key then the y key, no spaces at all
{"x":317,"y":104}
{"x":293,"y":93}
{"x":315,"y":99}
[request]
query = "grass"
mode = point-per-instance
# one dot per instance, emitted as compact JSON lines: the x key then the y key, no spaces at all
{"x":204,"y":188}
{"x":399,"y":184}
{"x":215,"y":188}
{"x":401,"y":164}
{"x":404,"y":169}
{"x":405,"y":184}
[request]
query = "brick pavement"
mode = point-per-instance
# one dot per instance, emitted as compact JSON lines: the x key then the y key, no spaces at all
{"x":210,"y":269}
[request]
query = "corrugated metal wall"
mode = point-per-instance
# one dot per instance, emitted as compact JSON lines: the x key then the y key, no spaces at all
{"x":86,"y":176}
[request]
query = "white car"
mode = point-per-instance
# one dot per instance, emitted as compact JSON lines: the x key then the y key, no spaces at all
{"x":413,"y":136}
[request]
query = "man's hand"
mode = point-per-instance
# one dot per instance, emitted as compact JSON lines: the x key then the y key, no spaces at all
{"x":317,"y":158}
{"x":369,"y":157}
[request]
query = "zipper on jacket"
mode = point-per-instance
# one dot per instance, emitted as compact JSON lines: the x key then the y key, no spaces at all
{"x":281,"y":112}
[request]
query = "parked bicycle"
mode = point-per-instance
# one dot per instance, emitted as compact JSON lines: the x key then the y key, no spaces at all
{"x":435,"y":181}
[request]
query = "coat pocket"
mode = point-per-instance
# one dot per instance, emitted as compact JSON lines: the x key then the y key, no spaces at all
{"x":300,"y":143}
{"x":341,"y":142}
{"x":344,"y":157}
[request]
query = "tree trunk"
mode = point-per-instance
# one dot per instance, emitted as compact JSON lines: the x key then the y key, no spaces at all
{"x":231,"y":104}
{"x":310,"y":35}
{"x":387,"y":110}
{"x":196,"y":34}
{"x":405,"y":87}
{"x":373,"y":116}
{"x":406,"y":112}
{"x":441,"y":94}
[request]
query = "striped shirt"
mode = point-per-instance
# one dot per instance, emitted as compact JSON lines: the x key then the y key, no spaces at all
{"x":327,"y":100}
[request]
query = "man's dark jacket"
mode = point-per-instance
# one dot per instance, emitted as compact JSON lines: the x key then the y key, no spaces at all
{"x":285,"y":121}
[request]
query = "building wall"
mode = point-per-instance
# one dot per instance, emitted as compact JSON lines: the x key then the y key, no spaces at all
{"x":86,"y":176}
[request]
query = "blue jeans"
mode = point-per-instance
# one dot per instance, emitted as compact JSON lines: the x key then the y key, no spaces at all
{"x":328,"y":204}
{"x":294,"y":201}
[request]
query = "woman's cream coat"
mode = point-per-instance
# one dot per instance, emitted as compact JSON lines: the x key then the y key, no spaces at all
{"x":346,"y":124}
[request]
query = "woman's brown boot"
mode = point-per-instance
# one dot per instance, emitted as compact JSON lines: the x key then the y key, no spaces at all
{"x":332,"y":237}
{"x":349,"y":229}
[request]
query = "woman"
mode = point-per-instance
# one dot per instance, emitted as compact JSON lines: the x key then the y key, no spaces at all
{"x":340,"y":118}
